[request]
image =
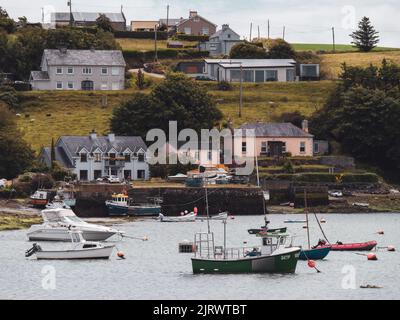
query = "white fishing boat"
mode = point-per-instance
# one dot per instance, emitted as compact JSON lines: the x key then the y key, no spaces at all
{"x":219,"y":216}
{"x":79,"y":249}
{"x":57,"y":223}
{"x":189,"y":217}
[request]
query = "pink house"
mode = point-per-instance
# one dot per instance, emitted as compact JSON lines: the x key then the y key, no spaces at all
{"x":275,"y":139}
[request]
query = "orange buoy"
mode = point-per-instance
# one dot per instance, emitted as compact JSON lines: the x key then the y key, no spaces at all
{"x":121,"y":255}
{"x":311,"y":263}
{"x":372,"y":257}
{"x":391,"y":248}
{"x":381,"y":232}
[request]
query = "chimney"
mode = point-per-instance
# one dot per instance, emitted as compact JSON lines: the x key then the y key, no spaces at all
{"x":93,"y":135}
{"x":304,"y":125}
{"x":192,"y":14}
{"x":225,"y":26}
{"x":111,"y":137}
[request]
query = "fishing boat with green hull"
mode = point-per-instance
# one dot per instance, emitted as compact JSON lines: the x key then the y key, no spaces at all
{"x":276,"y":255}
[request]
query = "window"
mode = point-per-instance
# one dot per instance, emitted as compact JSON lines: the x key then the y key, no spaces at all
{"x":235,"y":75}
{"x":83,"y":175}
{"x":104,"y":71}
{"x":197,"y":155}
{"x":127,"y":158}
{"x":141,"y":157}
{"x":97,"y":157}
{"x":283,"y":147}
{"x":302,"y":147}
{"x":96,"y":174}
{"x":141,"y":174}
{"x":188,"y":30}
{"x":248,"y":75}
{"x":209,"y":156}
{"x":70,"y":70}
{"x":264,"y":147}
{"x":259,"y":76}
{"x":83,"y":157}
{"x":87,"y":85}
{"x":115,"y":86}
{"x":59,"y":85}
{"x":115,"y":71}
{"x":59,"y":70}
{"x":127,"y":174}
{"x":271,"y":75}
{"x":70,"y":85}
{"x":316,"y":147}
{"x":87,"y":70}
{"x":229,"y":36}
{"x":205,"y":31}
{"x":244,"y":147}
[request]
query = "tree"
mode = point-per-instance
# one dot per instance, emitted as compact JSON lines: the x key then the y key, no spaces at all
{"x":104,"y":23}
{"x":278,"y":48}
{"x":366,"y":37}
{"x":6,"y":23}
{"x":15,"y":153}
{"x":247,"y":50}
{"x":177,"y":98}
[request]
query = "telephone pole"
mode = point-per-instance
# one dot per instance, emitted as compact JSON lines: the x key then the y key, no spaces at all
{"x":69,"y":3}
{"x":155,"y":44}
{"x":268,"y":29}
{"x":167,"y":16}
{"x":333,"y":37}
{"x":251,"y":29}
{"x":241,"y":91}
{"x":258,"y":32}
{"x":284,"y":31}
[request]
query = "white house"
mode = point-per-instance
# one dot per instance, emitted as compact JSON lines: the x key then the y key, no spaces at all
{"x":91,"y":157}
{"x":251,"y":70}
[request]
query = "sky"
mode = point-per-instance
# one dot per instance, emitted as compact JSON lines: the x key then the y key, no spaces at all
{"x":305,"y":21}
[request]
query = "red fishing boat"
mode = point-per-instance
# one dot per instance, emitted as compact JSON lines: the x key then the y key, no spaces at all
{"x":362,"y":246}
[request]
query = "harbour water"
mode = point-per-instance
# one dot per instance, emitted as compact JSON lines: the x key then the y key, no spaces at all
{"x":155,"y":270}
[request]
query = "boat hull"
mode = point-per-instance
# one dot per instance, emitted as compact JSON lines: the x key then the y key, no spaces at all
{"x":38,"y":203}
{"x":314,"y":254}
{"x":117,"y":210}
{"x":277,"y":263}
{"x":91,"y":253}
{"x":363,"y":246}
{"x":62,"y":234}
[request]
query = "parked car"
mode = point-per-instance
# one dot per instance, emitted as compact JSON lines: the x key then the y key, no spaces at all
{"x":109,"y":179}
{"x":203,"y":78}
{"x":336,"y":193}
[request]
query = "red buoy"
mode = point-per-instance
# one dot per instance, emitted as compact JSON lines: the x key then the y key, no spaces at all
{"x":121,"y":255}
{"x":311,"y":263}
{"x":372,"y":257}
{"x":195,"y":210}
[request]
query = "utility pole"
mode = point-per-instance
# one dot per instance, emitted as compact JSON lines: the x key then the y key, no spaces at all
{"x":167,"y":16}
{"x":268,"y":29}
{"x":241,"y":91}
{"x":155,"y":44}
{"x":42,"y":15}
{"x":333,"y":37}
{"x":69,"y":3}
{"x":284,"y":31}
{"x":251,"y":29}
{"x":258,"y":32}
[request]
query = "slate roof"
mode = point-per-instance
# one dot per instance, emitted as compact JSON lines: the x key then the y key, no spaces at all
{"x":87,"y":16}
{"x":198,"y":17}
{"x":252,"y":63}
{"x":60,"y":16}
{"x":40,"y":75}
{"x":61,"y":157}
{"x":84,"y":57}
{"x":276,"y":130}
{"x":224,"y":30}
{"x":75,"y":144}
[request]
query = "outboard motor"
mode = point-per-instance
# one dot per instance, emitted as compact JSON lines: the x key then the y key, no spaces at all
{"x":35,"y":248}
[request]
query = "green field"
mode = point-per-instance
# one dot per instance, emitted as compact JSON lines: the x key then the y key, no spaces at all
{"x":147,"y":44}
{"x":329,"y":47}
{"x":49,"y":114}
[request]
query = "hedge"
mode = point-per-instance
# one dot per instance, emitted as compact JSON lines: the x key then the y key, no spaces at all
{"x":161,"y":35}
{"x":189,"y":37}
{"x":164,"y":54}
{"x":360,"y":178}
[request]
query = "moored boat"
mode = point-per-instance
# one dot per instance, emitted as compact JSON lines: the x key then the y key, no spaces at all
{"x":315,"y":253}
{"x":39,"y":199}
{"x":189,"y":217}
{"x":121,"y":205}
{"x":361,"y":246}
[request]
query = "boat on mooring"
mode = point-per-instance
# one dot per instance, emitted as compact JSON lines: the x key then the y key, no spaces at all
{"x":79,"y":249}
{"x":186,"y":217}
{"x":58,"y":222}
{"x":360,"y":246}
{"x":39,"y":198}
{"x":122,"y":205}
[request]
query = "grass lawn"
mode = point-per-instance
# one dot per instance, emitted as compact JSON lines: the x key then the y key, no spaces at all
{"x":329,"y":47}
{"x":55,"y":113}
{"x":147,"y":44}
{"x":331,"y":63}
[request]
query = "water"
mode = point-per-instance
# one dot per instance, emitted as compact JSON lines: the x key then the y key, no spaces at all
{"x":155,"y":270}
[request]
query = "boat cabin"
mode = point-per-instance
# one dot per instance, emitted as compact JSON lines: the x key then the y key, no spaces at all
{"x":120,"y":198}
{"x":272,"y":242}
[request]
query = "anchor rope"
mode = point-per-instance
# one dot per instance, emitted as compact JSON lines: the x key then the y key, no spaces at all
{"x":319,"y":224}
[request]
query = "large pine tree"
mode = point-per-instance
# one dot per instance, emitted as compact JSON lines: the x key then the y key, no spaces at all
{"x":366,"y":37}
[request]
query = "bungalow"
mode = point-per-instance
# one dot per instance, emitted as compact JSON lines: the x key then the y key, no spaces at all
{"x":91,"y":157}
{"x":251,"y":70}
{"x":275,"y":139}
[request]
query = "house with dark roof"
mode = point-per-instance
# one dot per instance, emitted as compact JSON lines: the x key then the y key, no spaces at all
{"x":92,"y":156}
{"x":196,"y":25}
{"x":274,"y":139}
{"x":63,"y":69}
{"x":221,"y":42}
{"x":88,"y":19}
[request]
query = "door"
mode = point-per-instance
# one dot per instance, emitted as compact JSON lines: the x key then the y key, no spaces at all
{"x":128,"y":174}
{"x":141,"y":174}
{"x":83,"y":175}
{"x":275,"y":148}
{"x":96,"y":174}
{"x":290,"y":75}
{"x":87,"y":85}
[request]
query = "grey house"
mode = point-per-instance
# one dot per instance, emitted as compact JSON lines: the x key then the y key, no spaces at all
{"x":80,"y":70}
{"x":91,"y":157}
{"x":221,"y":42}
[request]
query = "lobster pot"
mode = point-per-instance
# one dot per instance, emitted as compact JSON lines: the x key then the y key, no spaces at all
{"x":187,"y":247}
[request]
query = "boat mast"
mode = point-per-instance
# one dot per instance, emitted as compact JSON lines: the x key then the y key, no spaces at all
{"x":306,"y":211}
{"x":208,"y":215}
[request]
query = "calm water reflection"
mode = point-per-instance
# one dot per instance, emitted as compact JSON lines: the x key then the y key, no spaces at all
{"x":155,"y":270}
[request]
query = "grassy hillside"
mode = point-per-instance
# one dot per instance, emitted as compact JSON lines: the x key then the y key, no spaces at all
{"x":47,"y":115}
{"x":331,"y":63}
{"x":329,"y":47}
{"x":147,"y":44}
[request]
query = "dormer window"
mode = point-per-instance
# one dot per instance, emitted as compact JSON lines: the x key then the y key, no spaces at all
{"x":83,"y":157}
{"x":140,"y":157}
{"x":97,"y":157}
{"x":127,"y":157}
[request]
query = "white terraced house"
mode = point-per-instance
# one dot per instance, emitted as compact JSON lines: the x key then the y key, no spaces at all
{"x":63,"y":69}
{"x":92,"y":157}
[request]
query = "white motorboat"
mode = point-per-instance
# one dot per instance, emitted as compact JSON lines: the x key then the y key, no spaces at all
{"x":79,"y":249}
{"x":57,"y":223}
{"x":189,"y":217}
{"x":219,"y":216}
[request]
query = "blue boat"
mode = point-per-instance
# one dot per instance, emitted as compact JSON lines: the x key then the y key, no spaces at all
{"x":314,"y":254}
{"x":120,"y":206}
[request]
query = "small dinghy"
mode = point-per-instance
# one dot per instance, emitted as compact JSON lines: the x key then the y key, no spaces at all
{"x":361,"y":246}
{"x":79,"y":249}
{"x":189,"y":217}
{"x":219,"y":216}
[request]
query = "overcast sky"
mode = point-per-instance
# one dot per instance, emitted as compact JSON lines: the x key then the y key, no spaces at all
{"x":306,"y":21}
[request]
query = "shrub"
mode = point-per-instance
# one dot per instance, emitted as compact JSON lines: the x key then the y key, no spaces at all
{"x":161,"y":35}
{"x":224,"y":86}
{"x":189,"y":37}
{"x":360,"y":178}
